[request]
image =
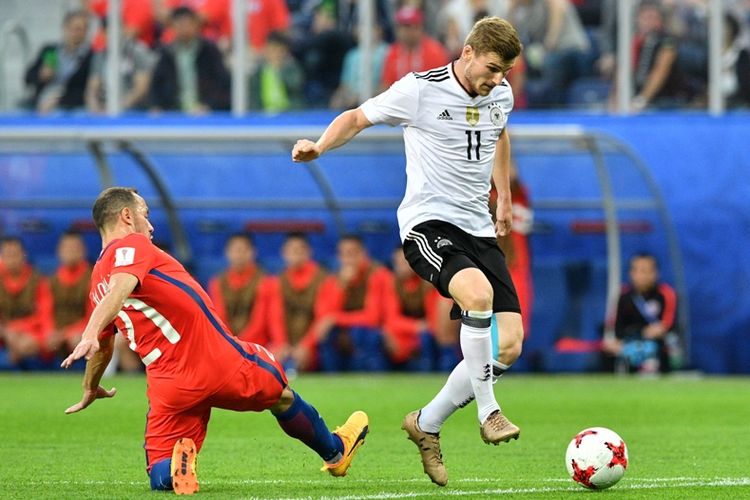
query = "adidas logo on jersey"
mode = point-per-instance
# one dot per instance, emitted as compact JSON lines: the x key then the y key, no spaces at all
{"x":444,"y":115}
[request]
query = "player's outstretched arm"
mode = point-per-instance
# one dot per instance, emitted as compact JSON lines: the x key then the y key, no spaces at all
{"x":121,"y":285}
{"x":94,"y":370}
{"x":98,"y":355}
{"x":341,"y":130}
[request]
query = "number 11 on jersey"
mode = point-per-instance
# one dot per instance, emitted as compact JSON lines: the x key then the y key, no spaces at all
{"x":469,"y":145}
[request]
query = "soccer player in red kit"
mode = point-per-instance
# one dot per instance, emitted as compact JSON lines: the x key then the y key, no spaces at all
{"x":193,"y":363}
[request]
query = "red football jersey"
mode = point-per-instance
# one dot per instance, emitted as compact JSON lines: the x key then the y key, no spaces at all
{"x":169,"y":320}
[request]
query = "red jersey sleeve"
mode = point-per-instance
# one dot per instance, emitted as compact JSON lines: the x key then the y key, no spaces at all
{"x":134,"y":254}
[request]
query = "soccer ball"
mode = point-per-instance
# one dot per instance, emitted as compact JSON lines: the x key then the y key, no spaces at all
{"x":596,"y":458}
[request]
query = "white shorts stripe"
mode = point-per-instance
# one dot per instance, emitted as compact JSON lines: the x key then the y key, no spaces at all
{"x":424,"y":248}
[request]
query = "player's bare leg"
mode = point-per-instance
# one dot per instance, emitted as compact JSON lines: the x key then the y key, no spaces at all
{"x":183,"y":467}
{"x":457,"y":391}
{"x":497,"y":428}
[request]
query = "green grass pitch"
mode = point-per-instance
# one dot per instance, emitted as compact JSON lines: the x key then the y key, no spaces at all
{"x":687,"y":438}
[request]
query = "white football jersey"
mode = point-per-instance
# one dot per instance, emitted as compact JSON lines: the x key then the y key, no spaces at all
{"x":450,"y":140}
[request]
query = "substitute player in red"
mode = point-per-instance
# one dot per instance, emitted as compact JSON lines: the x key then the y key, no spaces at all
{"x":193,"y":363}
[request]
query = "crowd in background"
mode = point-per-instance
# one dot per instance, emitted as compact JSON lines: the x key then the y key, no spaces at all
{"x":304,"y":54}
{"x":362,"y":316}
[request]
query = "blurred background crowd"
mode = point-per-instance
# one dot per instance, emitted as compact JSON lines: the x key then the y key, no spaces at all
{"x":305,"y":54}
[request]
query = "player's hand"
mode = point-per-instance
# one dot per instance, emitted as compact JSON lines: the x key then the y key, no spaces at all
{"x":504,"y":219}
{"x":85,"y":349}
{"x":89,"y":396}
{"x":305,"y":150}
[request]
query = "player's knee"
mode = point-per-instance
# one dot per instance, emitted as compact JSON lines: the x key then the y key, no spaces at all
{"x":284,"y":402}
{"x":161,"y":475}
{"x":471,"y":289}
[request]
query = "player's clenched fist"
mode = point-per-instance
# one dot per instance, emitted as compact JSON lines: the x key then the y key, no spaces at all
{"x":305,"y":150}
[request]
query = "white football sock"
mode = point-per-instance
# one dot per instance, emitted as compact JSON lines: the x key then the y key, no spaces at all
{"x":476,"y":346}
{"x":455,"y":394}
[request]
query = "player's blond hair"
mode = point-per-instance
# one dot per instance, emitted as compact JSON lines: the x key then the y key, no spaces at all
{"x":109,"y":204}
{"x":493,"y":34}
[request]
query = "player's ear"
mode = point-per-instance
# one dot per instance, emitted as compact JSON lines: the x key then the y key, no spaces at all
{"x":467,"y":52}
{"x":126,"y":214}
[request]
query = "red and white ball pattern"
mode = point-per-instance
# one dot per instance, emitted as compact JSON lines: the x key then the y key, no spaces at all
{"x":596,"y":458}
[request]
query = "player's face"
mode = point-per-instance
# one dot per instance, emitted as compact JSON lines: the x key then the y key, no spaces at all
{"x":141,"y":224}
{"x":643,"y":273}
{"x":295,"y":252}
{"x":70,"y":250}
{"x":485,"y":71}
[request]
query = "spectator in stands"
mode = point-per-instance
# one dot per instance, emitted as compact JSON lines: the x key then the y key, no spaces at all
{"x":349,"y":319}
{"x":413,"y":50}
{"x":190,"y":75}
{"x":138,"y":21}
{"x":735,"y":63}
{"x":349,"y":17}
{"x":322,"y":54}
{"x":347,"y":94}
{"x":458,"y":17}
{"x":430,"y":9}
{"x":515,"y":245}
{"x":655,"y":75}
{"x":71,"y":306}
{"x":241,"y":293}
{"x":278,"y":83}
{"x":644,"y":321}
{"x":294,"y":294}
{"x":136,"y":63}
{"x":58,"y":75}
{"x":25,"y":303}
{"x":263,"y":18}
{"x":410,"y":318}
{"x":556,"y":48}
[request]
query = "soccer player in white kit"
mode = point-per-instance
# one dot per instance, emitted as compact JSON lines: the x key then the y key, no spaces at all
{"x":454,"y":120}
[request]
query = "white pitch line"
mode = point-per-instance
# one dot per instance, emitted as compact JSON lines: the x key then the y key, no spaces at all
{"x":642,"y":483}
{"x":506,"y":491}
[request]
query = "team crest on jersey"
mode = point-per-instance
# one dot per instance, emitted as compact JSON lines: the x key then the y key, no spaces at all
{"x":497,"y":117}
{"x":444,"y":242}
{"x":472,"y":115}
{"x":124,"y":256}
